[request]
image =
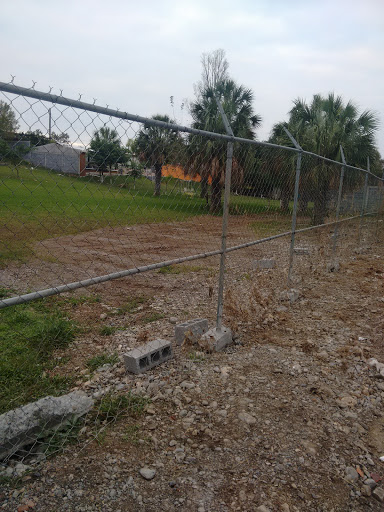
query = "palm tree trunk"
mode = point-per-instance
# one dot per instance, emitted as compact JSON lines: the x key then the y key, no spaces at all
{"x":284,"y":200}
{"x":158,"y":168}
{"x":216,"y":189}
{"x":204,"y":188}
{"x":303,"y":202}
{"x":320,"y":203}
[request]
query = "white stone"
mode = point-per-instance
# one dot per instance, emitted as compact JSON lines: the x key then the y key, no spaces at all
{"x":247,"y":418}
{"x":147,"y":474}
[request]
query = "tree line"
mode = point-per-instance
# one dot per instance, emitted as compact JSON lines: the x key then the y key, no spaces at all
{"x":320,"y":126}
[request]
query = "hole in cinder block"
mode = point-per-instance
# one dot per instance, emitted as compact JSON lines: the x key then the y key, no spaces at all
{"x":155,"y":357}
{"x":166,"y":352}
{"x":143,"y":362}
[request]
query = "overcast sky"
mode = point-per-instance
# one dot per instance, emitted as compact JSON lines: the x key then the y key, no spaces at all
{"x":135,"y":54}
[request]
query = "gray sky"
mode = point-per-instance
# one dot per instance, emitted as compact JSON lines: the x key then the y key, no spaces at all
{"x":134,"y":55}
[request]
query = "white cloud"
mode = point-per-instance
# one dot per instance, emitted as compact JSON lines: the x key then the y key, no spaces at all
{"x":135,"y":55}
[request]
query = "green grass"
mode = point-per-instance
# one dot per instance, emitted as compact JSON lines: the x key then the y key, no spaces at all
{"x":79,"y":300}
{"x":41,"y":204}
{"x":112,"y":406}
{"x":29,"y":334}
{"x":38,"y":204}
{"x":107,"y":330}
{"x":152,"y":317}
{"x":247,"y":205}
{"x":197,"y":357}
{"x":101,"y":360}
{"x":180,"y":269}
{"x":131,"y":305}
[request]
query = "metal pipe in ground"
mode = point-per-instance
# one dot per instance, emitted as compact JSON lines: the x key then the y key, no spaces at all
{"x":363,"y":206}
{"x":227,"y":192}
{"x":294,"y":217}
{"x":336,"y":231}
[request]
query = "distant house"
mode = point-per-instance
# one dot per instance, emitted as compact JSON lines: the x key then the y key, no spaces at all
{"x":58,"y":157}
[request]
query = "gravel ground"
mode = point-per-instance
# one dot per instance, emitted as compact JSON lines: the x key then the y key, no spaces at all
{"x":288,"y":418}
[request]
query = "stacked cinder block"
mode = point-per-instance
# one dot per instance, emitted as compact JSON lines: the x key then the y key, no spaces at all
{"x":147,"y":356}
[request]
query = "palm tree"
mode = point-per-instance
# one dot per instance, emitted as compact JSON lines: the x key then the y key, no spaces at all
{"x":322,"y":127}
{"x":157,"y":146}
{"x":208,"y":156}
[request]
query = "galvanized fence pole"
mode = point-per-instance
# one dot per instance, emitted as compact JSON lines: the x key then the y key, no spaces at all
{"x":362,"y":212}
{"x":220,"y":299}
{"x":336,"y":231}
{"x":295,"y":202}
{"x":227,"y":194}
{"x":380,"y":198}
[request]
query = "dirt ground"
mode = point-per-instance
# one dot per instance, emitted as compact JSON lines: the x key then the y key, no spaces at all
{"x":288,"y":418}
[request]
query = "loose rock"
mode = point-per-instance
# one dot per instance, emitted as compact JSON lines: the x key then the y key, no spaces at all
{"x":147,"y":473}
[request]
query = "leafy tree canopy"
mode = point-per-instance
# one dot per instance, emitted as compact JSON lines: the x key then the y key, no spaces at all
{"x":106,"y":150}
{"x":8,"y":121}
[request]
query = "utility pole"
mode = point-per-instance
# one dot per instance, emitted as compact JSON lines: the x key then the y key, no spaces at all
{"x":50,"y":123}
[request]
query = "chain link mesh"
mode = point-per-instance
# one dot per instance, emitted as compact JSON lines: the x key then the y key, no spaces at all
{"x":90,"y":196}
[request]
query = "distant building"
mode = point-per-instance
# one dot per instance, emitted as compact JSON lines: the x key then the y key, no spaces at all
{"x":58,"y":157}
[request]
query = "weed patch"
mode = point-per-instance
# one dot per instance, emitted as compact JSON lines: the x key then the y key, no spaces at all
{"x":101,"y":360}
{"x":29,"y":335}
{"x":131,"y":305}
{"x":152,"y":317}
{"x":107,"y":330}
{"x":133,"y":435}
{"x":180,"y":269}
{"x":111,"y":407}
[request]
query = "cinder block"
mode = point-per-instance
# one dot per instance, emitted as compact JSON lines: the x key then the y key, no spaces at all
{"x":195,"y":327}
{"x":264,"y":264}
{"x":301,"y":251}
{"x":147,"y":356}
{"x":217,"y":340}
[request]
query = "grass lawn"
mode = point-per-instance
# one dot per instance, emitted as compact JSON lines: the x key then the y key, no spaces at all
{"x":38,"y":204}
{"x":29,"y":334}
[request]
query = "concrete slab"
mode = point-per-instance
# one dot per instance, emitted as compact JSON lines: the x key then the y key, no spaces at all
{"x":195,"y":328}
{"x":217,"y":340}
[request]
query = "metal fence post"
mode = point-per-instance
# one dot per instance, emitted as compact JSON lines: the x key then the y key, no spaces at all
{"x":379,"y":203}
{"x":336,"y":232}
{"x":227,"y":193}
{"x":220,"y":299}
{"x":295,"y":201}
{"x":363,"y":203}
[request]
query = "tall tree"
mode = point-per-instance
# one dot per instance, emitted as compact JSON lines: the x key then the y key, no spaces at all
{"x":8,"y":121}
{"x":61,"y":138}
{"x":321,"y":127}
{"x":106,"y":150}
{"x":208,"y":157}
{"x":157,"y":146}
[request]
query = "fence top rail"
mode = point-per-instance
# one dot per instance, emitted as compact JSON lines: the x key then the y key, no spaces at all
{"x":92,"y":107}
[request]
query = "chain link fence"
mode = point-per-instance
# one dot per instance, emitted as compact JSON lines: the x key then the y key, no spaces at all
{"x":91,"y":195}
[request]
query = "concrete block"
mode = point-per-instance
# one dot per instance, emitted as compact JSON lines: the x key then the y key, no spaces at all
{"x":301,"y":251}
{"x":195,"y":328}
{"x":217,"y":340}
{"x":147,"y":356}
{"x":264,"y":264}
{"x":24,"y":425}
